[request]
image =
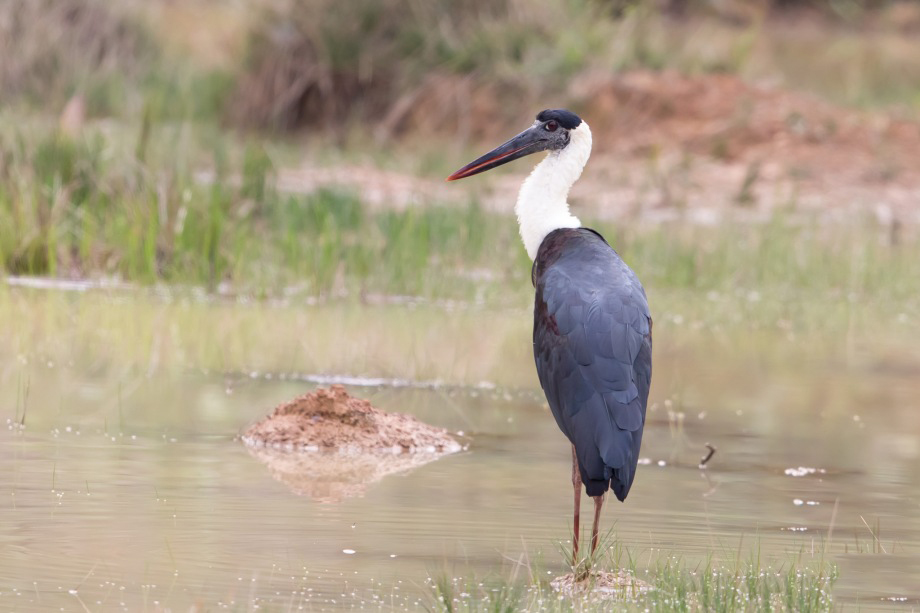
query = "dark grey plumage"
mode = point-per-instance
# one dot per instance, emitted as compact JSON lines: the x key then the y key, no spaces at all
{"x":592,"y":342}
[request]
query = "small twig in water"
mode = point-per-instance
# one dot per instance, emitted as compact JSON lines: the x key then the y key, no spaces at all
{"x":25,"y":404}
{"x":708,"y":456}
{"x":80,"y":600}
{"x":830,"y":529}
{"x":875,"y":536}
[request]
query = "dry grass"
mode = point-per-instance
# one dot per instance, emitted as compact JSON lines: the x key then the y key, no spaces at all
{"x":436,"y":67}
{"x":316,"y":64}
{"x":52,"y":49}
{"x":358,"y":63}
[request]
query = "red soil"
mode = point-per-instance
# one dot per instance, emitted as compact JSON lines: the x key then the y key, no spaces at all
{"x":331,"y":419}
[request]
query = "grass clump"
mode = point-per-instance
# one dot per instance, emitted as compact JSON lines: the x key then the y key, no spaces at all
{"x":87,"y":207}
{"x":668,"y":584}
{"x":745,"y":587}
{"x":453,"y":596}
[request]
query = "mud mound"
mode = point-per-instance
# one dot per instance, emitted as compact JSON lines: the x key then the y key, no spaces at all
{"x":724,"y":116}
{"x":328,"y":419}
{"x":601,"y":585}
{"x":329,"y":446}
{"x":762,"y":147}
{"x":641,"y":111}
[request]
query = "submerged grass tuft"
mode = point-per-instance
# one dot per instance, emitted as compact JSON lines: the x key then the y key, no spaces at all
{"x":494,"y":596}
{"x":746,"y":587}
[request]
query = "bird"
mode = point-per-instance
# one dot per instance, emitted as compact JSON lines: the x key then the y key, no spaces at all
{"x":592,"y":329}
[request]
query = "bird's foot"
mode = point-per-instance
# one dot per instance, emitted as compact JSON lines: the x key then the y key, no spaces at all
{"x":582,"y":572}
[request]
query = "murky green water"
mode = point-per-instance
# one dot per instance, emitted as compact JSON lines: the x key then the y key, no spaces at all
{"x":126,"y":489}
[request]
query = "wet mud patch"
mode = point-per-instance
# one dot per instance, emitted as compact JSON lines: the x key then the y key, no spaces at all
{"x":601,"y":585}
{"x":329,"y":445}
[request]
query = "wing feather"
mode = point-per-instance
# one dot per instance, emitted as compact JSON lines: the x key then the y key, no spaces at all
{"x":592,"y":346}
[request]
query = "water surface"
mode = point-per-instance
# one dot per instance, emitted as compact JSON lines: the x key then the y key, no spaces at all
{"x":127,"y":489}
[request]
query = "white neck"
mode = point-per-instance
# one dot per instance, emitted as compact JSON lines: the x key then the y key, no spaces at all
{"x":542,"y":204}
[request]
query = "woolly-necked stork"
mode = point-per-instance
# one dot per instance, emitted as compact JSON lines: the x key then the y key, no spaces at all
{"x":592,"y":329}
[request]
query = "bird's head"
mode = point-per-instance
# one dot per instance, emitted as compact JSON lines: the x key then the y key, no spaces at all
{"x":551,"y":131}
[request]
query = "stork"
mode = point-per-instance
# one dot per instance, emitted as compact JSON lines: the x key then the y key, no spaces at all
{"x":592,"y":329}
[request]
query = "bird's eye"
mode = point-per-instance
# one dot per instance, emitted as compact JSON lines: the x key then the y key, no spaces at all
{"x":551,"y":126}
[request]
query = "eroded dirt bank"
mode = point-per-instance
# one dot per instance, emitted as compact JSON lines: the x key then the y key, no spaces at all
{"x":669,"y":146}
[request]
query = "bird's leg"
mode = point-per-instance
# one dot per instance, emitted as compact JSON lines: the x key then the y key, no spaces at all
{"x":598,"y":505}
{"x":576,"y":484}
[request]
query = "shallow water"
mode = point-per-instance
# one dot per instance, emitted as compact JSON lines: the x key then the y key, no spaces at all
{"x":127,"y":488}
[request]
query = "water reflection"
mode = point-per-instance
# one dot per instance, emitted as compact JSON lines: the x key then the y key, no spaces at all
{"x":331,"y":476}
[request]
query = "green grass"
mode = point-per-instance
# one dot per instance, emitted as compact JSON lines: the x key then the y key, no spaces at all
{"x":798,"y":583}
{"x":88,"y":208}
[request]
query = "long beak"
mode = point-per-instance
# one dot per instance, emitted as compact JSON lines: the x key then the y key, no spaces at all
{"x":531,"y":140}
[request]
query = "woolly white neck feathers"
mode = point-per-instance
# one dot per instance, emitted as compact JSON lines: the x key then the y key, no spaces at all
{"x":542,"y":204}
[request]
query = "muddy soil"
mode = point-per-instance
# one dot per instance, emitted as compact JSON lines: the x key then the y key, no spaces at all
{"x":601,"y":585}
{"x":330,"y":446}
{"x":331,"y":419}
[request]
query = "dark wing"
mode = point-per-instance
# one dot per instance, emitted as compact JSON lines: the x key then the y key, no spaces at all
{"x":593,"y":350}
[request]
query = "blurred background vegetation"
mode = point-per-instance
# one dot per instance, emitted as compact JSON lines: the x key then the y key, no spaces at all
{"x":196,"y":142}
{"x":754,"y":161}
